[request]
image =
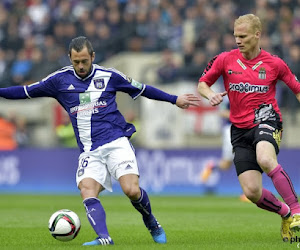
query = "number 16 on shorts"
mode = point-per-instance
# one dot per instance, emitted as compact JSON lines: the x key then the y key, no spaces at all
{"x":83,"y":164}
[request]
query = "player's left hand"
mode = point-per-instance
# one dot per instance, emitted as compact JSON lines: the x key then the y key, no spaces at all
{"x":184,"y":101}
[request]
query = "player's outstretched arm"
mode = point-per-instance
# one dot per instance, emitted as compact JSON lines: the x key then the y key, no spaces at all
{"x":185,"y":100}
{"x":214,"y":98}
{"x":15,"y":92}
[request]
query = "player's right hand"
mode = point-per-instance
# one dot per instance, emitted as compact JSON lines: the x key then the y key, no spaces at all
{"x":217,"y":98}
{"x":186,"y":100}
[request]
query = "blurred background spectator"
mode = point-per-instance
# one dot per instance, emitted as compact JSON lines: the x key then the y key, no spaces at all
{"x":132,"y":117}
{"x":7,"y":134}
{"x":168,"y":71}
{"x":13,"y":132}
{"x":20,"y":135}
{"x":65,"y":132}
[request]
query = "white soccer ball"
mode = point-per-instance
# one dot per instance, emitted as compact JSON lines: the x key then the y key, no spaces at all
{"x":64,"y":225}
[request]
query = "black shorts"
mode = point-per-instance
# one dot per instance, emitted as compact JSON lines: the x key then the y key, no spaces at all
{"x":244,"y":143}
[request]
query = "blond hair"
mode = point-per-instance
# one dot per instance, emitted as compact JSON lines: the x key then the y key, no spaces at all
{"x":251,"y":19}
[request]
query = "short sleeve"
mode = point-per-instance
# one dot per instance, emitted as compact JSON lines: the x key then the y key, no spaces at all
{"x":213,"y":70}
{"x":127,"y":85}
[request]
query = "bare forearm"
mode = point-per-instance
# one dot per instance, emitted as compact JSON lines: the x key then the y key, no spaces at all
{"x":214,"y":98}
{"x":204,"y":90}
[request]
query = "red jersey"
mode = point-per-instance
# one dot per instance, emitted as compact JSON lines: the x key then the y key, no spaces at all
{"x":250,"y":85}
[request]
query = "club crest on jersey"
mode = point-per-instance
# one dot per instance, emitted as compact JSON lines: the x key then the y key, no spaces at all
{"x":262,"y":73}
{"x":99,"y":83}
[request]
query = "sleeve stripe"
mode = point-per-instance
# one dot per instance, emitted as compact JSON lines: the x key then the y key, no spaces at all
{"x":64,"y":69}
{"x":113,"y":70}
{"x":144,"y":86}
{"x":26,"y":92}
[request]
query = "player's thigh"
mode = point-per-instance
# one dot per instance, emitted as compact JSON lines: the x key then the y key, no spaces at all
{"x":266,"y":156}
{"x":89,"y":188}
{"x":121,"y":160}
{"x":90,"y":166}
{"x":130,"y":185}
{"x":245,"y":159}
{"x":270,"y":131}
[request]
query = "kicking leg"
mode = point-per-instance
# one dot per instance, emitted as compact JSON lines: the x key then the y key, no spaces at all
{"x":251,"y":182}
{"x":90,"y":190}
{"x":284,"y":187}
{"x":141,"y":202}
{"x":267,"y":159}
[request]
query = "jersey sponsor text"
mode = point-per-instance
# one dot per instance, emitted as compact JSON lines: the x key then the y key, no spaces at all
{"x":88,"y":108}
{"x":248,"y":88}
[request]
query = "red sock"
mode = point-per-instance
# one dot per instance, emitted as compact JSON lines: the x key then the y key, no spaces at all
{"x":269,"y":202}
{"x":284,"y":187}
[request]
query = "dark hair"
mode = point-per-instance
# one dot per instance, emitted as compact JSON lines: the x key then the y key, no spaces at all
{"x":78,"y":43}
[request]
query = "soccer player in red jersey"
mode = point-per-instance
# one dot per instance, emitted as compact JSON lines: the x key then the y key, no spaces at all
{"x":250,"y":75}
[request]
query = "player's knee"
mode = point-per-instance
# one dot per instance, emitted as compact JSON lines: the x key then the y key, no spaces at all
{"x":89,"y":189}
{"x":253,"y":193}
{"x":266,"y":162}
{"x":86,"y":193}
{"x":132,"y":192}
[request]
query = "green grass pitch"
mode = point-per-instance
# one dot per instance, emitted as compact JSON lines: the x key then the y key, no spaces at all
{"x":206,"y":222}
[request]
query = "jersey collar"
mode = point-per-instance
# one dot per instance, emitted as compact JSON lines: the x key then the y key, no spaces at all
{"x":90,"y":74}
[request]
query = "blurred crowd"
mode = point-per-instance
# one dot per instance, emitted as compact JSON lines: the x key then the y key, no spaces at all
{"x":13,"y":132}
{"x":34,"y":34}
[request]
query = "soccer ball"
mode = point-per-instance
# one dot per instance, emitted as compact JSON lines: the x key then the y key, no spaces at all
{"x":64,"y":225}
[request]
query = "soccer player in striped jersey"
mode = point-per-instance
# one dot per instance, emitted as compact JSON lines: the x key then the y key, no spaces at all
{"x":250,"y":75}
{"x":88,"y":93}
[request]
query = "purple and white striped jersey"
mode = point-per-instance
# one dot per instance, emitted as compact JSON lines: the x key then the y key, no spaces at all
{"x":90,"y":102}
